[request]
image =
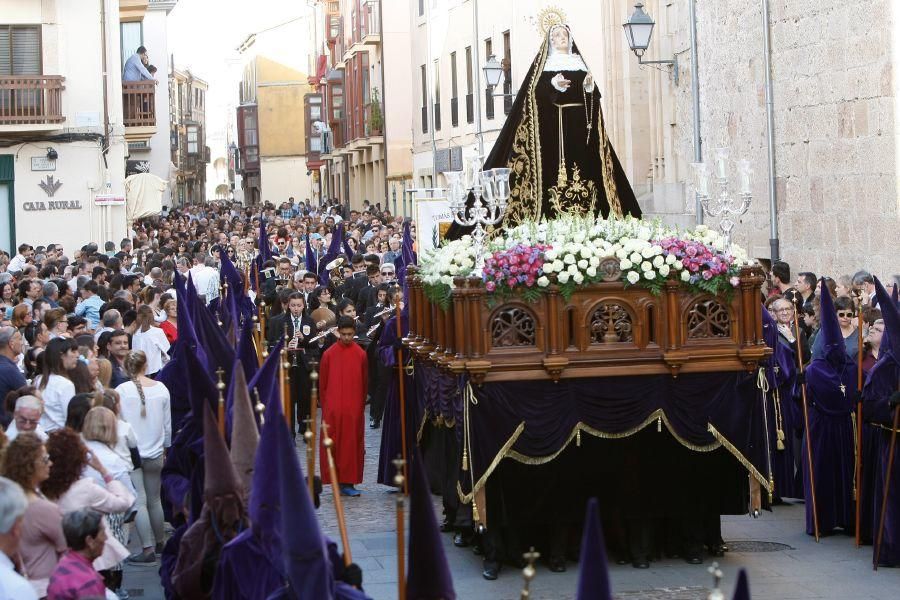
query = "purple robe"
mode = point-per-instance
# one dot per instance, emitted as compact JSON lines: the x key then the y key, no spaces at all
{"x":245,"y":572}
{"x":781,"y":374}
{"x":391,"y":435}
{"x":831,"y":435}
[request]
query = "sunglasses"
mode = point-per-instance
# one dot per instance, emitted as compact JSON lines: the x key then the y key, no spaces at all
{"x":845,"y":314}
{"x":386,"y":273}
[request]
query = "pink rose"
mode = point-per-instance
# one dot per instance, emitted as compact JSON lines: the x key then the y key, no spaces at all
{"x":490,"y":286}
{"x":511,"y":282}
{"x":707,"y":275}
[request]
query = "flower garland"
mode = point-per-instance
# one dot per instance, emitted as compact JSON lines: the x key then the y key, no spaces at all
{"x":568,"y":251}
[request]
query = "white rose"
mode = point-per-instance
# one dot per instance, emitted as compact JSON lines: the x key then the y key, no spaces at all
{"x":625,"y":264}
{"x":586,"y":252}
{"x":582,"y":264}
{"x":543,"y":281}
{"x":678,"y":265}
{"x":595,"y":261}
{"x":643,"y":233}
{"x":664,"y":270}
{"x":658,"y":261}
{"x":621,"y":254}
{"x":685,"y":276}
{"x":636,"y":257}
{"x":670,"y":259}
{"x":632,"y":277}
{"x":453,"y":270}
{"x":447,"y":279}
{"x":563,"y":277}
{"x":558,"y":265}
{"x":550,"y":254}
{"x":647,"y":252}
{"x":591,"y":271}
{"x":649,"y":275}
{"x":572,"y":269}
{"x":548,"y":267}
{"x":578,"y":278}
{"x":578,"y":237}
{"x":569,"y":259}
{"x":646,"y":266}
{"x":657,"y":250}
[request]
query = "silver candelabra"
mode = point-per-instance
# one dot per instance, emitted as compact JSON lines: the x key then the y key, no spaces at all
{"x":721,"y":203}
{"x":490,"y":190}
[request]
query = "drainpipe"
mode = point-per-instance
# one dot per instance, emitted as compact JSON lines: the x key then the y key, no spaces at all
{"x":695,"y":103}
{"x":384,"y":135}
{"x":770,"y":135}
{"x":476,"y":89}
{"x":105,"y":233}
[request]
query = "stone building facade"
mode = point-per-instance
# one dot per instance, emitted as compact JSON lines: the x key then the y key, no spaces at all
{"x":835,"y":100}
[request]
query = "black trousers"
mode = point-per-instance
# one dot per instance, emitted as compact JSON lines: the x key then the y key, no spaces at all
{"x":301,"y":392}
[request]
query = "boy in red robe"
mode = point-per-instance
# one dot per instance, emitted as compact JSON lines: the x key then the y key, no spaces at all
{"x":343,"y":381}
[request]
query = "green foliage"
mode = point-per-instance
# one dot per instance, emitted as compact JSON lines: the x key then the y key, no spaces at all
{"x":439,"y":293}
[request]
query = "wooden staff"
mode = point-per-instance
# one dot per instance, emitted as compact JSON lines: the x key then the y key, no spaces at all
{"x":859,"y":417}
{"x":809,"y":454}
{"x":336,"y":492}
{"x":402,"y":391}
{"x":310,"y":435}
{"x":221,"y":387}
{"x":400,"y":482}
{"x":887,"y":486}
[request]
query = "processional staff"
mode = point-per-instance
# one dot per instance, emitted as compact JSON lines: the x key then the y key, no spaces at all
{"x":285,"y":380}
{"x":221,"y":413}
{"x":809,"y":454}
{"x":311,"y":434}
{"x":336,"y":492}
{"x":529,"y":572}
{"x":400,"y":482}
{"x":402,"y":393}
{"x":857,"y":486}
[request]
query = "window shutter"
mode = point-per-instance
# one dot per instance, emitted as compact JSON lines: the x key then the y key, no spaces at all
{"x":26,"y":51}
{"x":5,"y":58}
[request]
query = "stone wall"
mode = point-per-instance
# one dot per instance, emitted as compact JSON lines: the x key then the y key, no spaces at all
{"x":835,"y":101}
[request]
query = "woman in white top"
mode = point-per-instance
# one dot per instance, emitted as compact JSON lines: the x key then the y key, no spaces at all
{"x":126,"y":446}
{"x":55,"y":387}
{"x":150,"y":339}
{"x":145,"y":405}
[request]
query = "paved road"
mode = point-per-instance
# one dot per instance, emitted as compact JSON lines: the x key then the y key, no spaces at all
{"x":832,"y":569}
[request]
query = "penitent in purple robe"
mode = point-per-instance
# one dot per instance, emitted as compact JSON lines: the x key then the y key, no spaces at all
{"x":391,"y":435}
{"x":245,"y":571}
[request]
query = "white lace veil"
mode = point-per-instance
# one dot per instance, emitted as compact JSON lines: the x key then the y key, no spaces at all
{"x":562,"y":61}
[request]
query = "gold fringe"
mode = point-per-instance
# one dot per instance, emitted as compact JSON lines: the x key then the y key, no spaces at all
{"x":768,"y":485}
{"x":507,"y":452}
{"x":884,"y":427}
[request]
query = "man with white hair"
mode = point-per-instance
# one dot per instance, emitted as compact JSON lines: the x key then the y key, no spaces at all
{"x":26,"y":418}
{"x":12,"y":508}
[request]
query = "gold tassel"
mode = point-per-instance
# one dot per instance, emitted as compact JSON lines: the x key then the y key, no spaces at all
{"x":780,"y":443}
{"x":578,"y":438}
{"x":659,"y":424}
{"x":465,"y":460}
{"x":475,"y":516}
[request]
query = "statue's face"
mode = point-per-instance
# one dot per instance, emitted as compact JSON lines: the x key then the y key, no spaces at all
{"x":559,"y":39}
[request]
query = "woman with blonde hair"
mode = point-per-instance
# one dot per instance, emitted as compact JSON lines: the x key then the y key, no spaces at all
{"x":104,"y":372}
{"x":150,"y":339}
{"x":145,"y":405}
{"x":57,"y":325}
{"x":170,"y":325}
{"x":21,"y":316}
{"x":100,"y":437}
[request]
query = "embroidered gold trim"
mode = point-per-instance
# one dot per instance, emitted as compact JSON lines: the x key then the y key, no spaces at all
{"x":575,"y":197}
{"x":608,"y":168}
{"x":769,"y":486}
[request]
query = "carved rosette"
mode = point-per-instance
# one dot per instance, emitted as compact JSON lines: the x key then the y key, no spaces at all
{"x":609,"y":270}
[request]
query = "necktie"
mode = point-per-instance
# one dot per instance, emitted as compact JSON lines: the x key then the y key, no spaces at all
{"x":296,"y":324}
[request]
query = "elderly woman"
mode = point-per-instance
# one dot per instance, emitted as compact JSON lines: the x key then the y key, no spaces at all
{"x":847,"y":319}
{"x":73,"y":490}
{"x":785,"y":313}
{"x":28,"y":464}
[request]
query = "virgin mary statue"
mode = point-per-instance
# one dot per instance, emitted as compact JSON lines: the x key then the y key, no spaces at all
{"x":555,"y":143}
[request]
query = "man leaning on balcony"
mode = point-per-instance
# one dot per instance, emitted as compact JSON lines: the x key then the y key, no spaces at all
{"x":135,"y":69}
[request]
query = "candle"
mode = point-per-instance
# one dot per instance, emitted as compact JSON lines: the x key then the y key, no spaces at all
{"x":722,"y":163}
{"x":746,"y":174}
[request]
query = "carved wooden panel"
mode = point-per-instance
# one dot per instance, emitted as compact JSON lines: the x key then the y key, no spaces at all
{"x":511,"y":327}
{"x":611,"y":322}
{"x":708,"y":319}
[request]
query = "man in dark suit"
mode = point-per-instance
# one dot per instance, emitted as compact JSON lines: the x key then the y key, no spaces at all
{"x":368,"y":295}
{"x":275,"y":324}
{"x":358,"y":280}
{"x":299,"y":328}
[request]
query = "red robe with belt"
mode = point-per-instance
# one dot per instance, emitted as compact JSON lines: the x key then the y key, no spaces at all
{"x":343,"y":381}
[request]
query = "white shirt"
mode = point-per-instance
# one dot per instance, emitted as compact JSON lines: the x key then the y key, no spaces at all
{"x":12,"y":432}
{"x":154,"y":344}
{"x":154,"y":431}
{"x":17,"y":263}
{"x":57,"y":394}
{"x":12,"y":585}
{"x":125,"y":439}
{"x":206,"y":281}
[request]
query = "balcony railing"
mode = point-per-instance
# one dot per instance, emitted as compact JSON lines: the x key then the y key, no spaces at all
{"x":139,"y":103}
{"x":365,"y":20}
{"x":31,"y":99}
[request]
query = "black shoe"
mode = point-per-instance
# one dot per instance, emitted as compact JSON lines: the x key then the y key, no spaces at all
{"x":557,"y":564}
{"x":693,"y":559}
{"x":491,"y":571}
{"x":640,"y":563}
{"x":377,"y":423}
{"x":372,"y":424}
{"x":447,"y":526}
{"x":460,"y":540}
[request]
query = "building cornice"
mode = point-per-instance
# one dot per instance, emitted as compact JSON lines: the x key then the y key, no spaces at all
{"x":166,"y":5}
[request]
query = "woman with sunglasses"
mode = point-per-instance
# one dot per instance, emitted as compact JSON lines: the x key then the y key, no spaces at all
{"x":847,"y":319}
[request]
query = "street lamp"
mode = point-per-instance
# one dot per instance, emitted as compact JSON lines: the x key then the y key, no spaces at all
{"x":638,"y":31}
{"x":493,"y":71}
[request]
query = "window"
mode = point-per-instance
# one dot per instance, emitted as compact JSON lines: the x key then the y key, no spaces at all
{"x":437,"y":95}
{"x":250,"y":138}
{"x":424,"y":79}
{"x":507,"y":74}
{"x":131,"y":35}
{"x":315,"y":143}
{"x":488,"y":92}
{"x":470,"y":109}
{"x":454,"y":91}
{"x":20,"y":50}
{"x":193,"y":138}
{"x":421,"y":7}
